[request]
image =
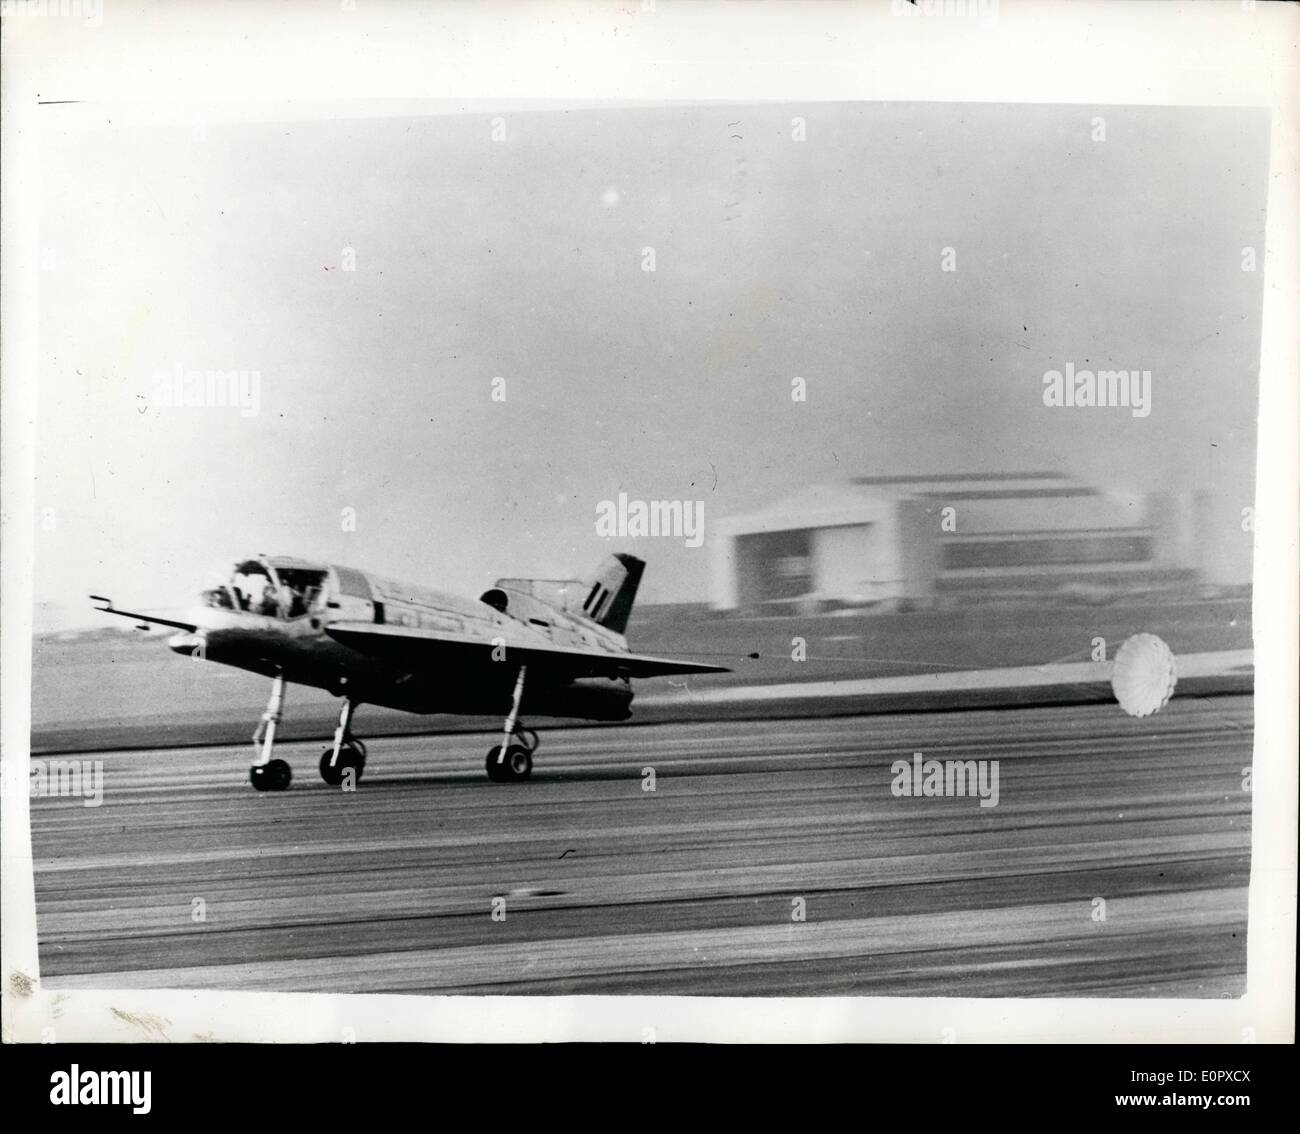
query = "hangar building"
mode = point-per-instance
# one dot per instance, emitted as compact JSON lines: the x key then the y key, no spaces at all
{"x":925,"y":540}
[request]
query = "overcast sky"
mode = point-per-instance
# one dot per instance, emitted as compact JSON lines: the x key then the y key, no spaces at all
{"x":521,"y":257}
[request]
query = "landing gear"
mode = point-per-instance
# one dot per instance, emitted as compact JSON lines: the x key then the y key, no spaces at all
{"x":512,"y":759}
{"x":351,"y":757}
{"x":346,"y":754}
{"x":267,"y":774}
{"x":517,"y":765}
{"x":274,"y":775}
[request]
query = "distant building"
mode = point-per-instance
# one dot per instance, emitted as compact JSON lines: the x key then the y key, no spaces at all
{"x":925,"y":540}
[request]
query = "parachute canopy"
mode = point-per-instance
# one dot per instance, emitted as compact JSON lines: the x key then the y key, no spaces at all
{"x":1143,"y":675}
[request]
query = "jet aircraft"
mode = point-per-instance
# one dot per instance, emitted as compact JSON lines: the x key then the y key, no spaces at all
{"x":553,"y":648}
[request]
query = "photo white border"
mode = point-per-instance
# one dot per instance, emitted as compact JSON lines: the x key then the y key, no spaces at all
{"x":183,"y":62}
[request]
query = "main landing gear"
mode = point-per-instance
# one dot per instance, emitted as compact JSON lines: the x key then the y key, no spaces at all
{"x":512,"y":759}
{"x":346,"y":754}
{"x":267,"y":774}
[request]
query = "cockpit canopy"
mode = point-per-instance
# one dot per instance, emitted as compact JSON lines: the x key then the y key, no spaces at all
{"x":271,"y":588}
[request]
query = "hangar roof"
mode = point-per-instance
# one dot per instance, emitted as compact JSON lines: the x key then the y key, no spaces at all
{"x":992,"y":501}
{"x":817,"y":506}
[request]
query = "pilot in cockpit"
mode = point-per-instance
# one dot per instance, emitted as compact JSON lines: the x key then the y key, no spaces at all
{"x":270,"y":604}
{"x":247,"y":587}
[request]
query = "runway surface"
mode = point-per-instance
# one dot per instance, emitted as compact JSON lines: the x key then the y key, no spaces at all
{"x":1115,"y":863}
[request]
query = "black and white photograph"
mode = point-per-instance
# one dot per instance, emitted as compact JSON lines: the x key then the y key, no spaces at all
{"x":543,"y":546}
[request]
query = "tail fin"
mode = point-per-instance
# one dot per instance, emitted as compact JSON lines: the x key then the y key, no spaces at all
{"x":611,"y":592}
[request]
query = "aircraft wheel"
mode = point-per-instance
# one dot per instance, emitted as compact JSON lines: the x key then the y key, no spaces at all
{"x":271,"y":776}
{"x":349,"y":757}
{"x":518,"y":764}
{"x":331,"y":775}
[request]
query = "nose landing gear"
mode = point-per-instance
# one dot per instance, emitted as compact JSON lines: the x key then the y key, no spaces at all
{"x":266,"y":773}
{"x":351,"y":757}
{"x":274,"y":775}
{"x":347,"y":754}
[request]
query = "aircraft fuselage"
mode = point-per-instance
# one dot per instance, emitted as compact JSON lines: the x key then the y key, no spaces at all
{"x":281,"y":630}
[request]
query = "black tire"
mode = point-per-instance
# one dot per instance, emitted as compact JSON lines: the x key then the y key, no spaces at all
{"x":349,"y":757}
{"x":354,"y":761}
{"x":331,"y":775}
{"x":274,"y":775}
{"x":518,"y":764}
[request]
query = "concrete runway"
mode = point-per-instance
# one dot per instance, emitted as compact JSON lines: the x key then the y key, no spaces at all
{"x":689,"y":889}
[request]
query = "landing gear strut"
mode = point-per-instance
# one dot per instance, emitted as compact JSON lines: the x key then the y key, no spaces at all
{"x":346,"y":754}
{"x":512,"y":759}
{"x":267,"y":774}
